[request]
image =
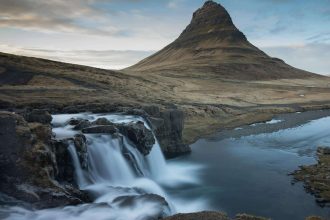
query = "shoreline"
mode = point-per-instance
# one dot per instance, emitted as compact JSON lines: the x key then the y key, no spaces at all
{"x":198,"y":128}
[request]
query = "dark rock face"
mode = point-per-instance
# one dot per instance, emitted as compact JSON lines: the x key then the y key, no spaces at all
{"x":106,"y":129}
{"x":139,"y":135}
{"x":213,"y":20}
{"x":81,"y":148}
{"x":168,"y":127}
{"x":30,"y":164}
{"x":65,"y":169}
{"x":82,"y":124}
{"x":37,"y":115}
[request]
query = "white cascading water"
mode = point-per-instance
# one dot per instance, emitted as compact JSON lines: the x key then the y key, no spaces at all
{"x":110,"y":176}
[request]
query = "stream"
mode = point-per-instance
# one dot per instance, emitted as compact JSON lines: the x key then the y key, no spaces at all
{"x":244,"y":170}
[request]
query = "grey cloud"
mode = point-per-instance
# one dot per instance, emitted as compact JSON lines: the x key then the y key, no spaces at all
{"x":55,"y":15}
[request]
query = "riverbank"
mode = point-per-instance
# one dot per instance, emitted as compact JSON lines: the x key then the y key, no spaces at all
{"x":316,"y":177}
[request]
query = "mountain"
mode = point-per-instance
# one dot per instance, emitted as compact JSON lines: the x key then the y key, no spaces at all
{"x":212,"y":45}
{"x":209,"y":73}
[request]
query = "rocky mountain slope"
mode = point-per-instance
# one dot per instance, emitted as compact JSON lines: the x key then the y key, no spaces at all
{"x":212,"y":46}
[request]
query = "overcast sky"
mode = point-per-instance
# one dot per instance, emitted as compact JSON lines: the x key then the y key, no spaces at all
{"x":118,"y":33}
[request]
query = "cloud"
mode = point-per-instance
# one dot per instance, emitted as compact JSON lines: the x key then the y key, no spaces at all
{"x":106,"y":59}
{"x":320,"y":38}
{"x":311,"y":57}
{"x":74,"y":16}
{"x":173,"y":4}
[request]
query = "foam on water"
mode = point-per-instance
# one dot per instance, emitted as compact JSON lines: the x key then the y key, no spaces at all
{"x":111,"y":175}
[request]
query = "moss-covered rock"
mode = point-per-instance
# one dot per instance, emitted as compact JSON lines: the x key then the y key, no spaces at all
{"x":316,"y":177}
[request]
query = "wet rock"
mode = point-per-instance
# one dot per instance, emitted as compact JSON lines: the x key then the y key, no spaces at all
{"x":102,"y":121}
{"x":249,"y":217}
{"x":30,"y":164}
{"x":38,"y":115}
{"x":105,"y":129}
{"x":316,"y":177}
{"x":169,"y":133}
{"x":158,"y":202}
{"x":314,"y":218}
{"x":199,"y":215}
{"x":323,"y":150}
{"x":82,"y":124}
{"x":142,"y":137}
{"x":74,"y":121}
{"x":211,"y":215}
{"x":65,"y":168}
{"x":81,"y":148}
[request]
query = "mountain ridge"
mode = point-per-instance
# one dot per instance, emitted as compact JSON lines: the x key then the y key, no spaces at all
{"x":212,"y":44}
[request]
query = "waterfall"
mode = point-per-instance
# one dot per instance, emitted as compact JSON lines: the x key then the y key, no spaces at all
{"x":123,"y":183}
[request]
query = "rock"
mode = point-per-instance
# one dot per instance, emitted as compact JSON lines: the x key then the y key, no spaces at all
{"x":105,"y":129}
{"x":158,"y":202}
{"x":82,"y":124}
{"x":74,"y":121}
{"x":142,"y":137}
{"x":65,"y":168}
{"x":323,"y":150}
{"x":211,"y":215}
{"x":206,"y":215}
{"x":169,"y":133}
{"x":38,"y":115}
{"x":314,"y":218}
{"x":102,"y":121}
{"x":30,"y":164}
{"x":249,"y":217}
{"x":81,"y":148}
{"x":316,"y":177}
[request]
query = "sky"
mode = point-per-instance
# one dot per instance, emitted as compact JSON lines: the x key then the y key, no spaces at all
{"x":114,"y":34}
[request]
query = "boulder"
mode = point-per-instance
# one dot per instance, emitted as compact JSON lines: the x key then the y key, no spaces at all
{"x":38,"y":115}
{"x":102,"y":121}
{"x":105,"y":129}
{"x":74,"y":121}
{"x":137,"y":133}
{"x":83,"y":123}
{"x":158,"y":202}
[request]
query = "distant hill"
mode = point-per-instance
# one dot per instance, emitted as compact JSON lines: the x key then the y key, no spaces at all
{"x":212,"y":45}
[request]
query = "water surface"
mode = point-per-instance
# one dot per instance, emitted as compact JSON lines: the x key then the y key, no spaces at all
{"x":246,"y":169}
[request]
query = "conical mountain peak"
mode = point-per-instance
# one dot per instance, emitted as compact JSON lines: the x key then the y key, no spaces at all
{"x":211,"y":22}
{"x":212,"y":13}
{"x":210,"y":46}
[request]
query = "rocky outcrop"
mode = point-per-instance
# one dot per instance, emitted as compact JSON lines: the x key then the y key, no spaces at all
{"x":38,"y":115}
{"x":136,"y":132}
{"x":168,"y":126}
{"x":316,"y":177}
{"x":210,"y":215}
{"x":64,"y":165}
{"x":105,"y":129}
{"x":29,"y":164}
